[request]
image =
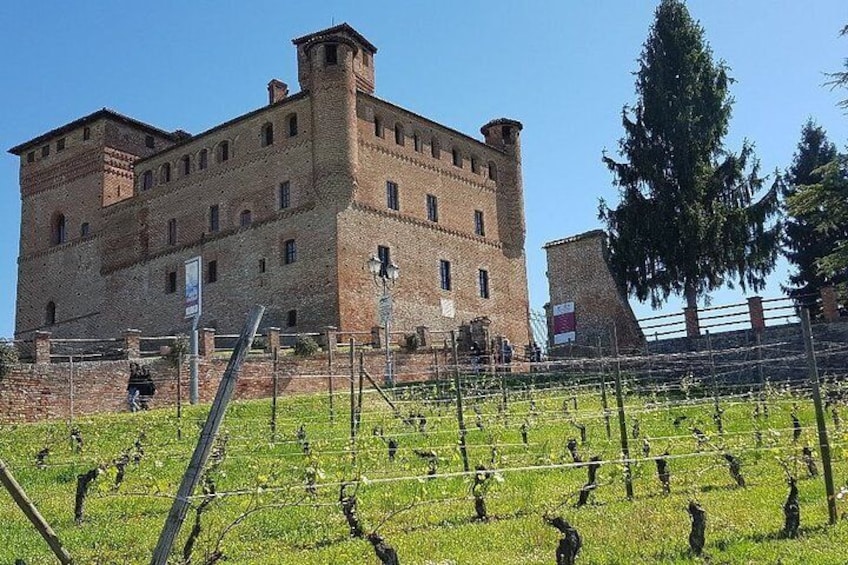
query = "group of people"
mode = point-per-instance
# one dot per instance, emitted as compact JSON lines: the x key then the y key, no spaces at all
{"x":140,"y":388}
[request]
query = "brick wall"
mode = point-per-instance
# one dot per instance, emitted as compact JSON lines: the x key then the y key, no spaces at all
{"x":34,"y":392}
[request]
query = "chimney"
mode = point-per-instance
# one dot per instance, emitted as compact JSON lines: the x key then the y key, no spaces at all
{"x":277,"y":90}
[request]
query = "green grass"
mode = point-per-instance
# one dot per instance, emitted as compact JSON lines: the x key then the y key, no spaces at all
{"x":429,"y":520}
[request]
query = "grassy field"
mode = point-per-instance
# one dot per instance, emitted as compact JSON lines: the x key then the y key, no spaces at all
{"x":264,"y":514}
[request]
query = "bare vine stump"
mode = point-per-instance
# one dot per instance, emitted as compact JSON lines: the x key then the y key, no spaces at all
{"x":758,"y":438}
{"x":634,"y":430}
{"x":717,"y":418}
{"x":807,"y":457}
{"x":796,"y":427}
{"x":663,"y":474}
{"x":40,"y":458}
{"x":697,"y":536}
{"x":582,"y":429}
{"x":678,"y":420}
{"x":393,"y":447}
{"x":138,"y":448}
{"x":76,"y":435}
{"x":791,"y":512}
{"x":422,"y":423}
{"x":734,"y":466}
{"x":570,"y":544}
{"x":591,"y":483}
{"x":121,"y":466}
{"x":837,"y":424}
{"x":572,"y":449}
{"x":385,"y":552}
{"x":348,"y":502}
{"x":478,"y":490}
{"x":83,"y":482}
{"x":646,"y":447}
{"x":524,"y":429}
{"x":431,"y":458}
{"x":188,"y":548}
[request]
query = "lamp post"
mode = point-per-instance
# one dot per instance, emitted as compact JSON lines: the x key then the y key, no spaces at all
{"x":385,"y":275}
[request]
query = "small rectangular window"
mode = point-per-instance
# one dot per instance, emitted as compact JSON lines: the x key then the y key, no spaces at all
{"x":262,"y":265}
{"x":457,"y":158}
{"x":60,"y":145}
{"x":172,"y":231}
{"x":479,"y":225}
{"x":31,"y":157}
{"x":45,"y":151}
{"x":224,"y":151}
{"x":378,"y":127}
{"x":204,"y":159}
{"x":392,"y":196}
{"x":416,"y":142}
{"x":475,"y":165}
{"x":331,"y":54}
{"x":445,"y":274}
{"x":214,"y":212}
{"x":289,"y":252}
{"x":285,"y":195}
{"x":291,"y":318}
{"x":147,"y":180}
{"x":186,"y":162}
{"x":84,"y":229}
{"x":483,"y":277}
{"x":432,"y":208}
{"x":149,"y":142}
{"x":212,"y":271}
{"x":384,"y":255}
{"x":86,"y":133}
{"x":172,"y":282}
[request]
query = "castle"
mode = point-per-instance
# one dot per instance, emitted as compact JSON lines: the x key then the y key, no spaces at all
{"x":285,"y":205}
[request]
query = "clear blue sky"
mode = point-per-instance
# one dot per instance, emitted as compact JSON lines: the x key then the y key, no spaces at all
{"x":564,"y":68}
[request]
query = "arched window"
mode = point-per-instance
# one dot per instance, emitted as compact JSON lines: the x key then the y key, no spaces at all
{"x":457,"y":157}
{"x":147,"y":180}
{"x":57,"y":229}
{"x":223,"y":151}
{"x":435,"y":150}
{"x":186,"y":165}
{"x":292,"y":121}
{"x":493,"y":170}
{"x":165,"y":173}
{"x":267,"y":134}
{"x":50,"y":313}
{"x":203,"y":159}
{"x":416,"y":143}
{"x":245,"y":218}
{"x":400,"y":138}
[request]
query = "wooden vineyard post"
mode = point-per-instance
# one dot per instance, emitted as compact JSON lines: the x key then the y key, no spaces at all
{"x":352,"y":358}
{"x":359,"y":400}
{"x":207,"y":437}
{"x":33,"y":515}
{"x":824,"y":444}
{"x":459,"y":416}
{"x":761,"y":373}
{"x":604,"y":401}
{"x":179,"y":397}
{"x":274,"y":384}
{"x":716,"y":405}
{"x":622,"y":422}
{"x":331,"y":355}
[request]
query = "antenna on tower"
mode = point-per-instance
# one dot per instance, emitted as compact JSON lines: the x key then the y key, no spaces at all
{"x":332,"y":21}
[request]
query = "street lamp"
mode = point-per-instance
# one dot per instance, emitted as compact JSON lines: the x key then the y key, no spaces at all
{"x":387,"y":275}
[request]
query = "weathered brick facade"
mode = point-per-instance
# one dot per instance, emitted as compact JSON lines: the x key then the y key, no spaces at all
{"x":336,"y":145}
{"x":578,"y":272}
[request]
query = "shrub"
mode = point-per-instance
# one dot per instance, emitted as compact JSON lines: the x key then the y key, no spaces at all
{"x":305,"y":346}
{"x":179,"y":348}
{"x":8,"y":357}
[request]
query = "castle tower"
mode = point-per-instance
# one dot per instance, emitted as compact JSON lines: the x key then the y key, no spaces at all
{"x":332,"y":65}
{"x":504,"y":135}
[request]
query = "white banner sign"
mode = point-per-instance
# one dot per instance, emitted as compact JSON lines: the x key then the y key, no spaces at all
{"x":193,"y":270}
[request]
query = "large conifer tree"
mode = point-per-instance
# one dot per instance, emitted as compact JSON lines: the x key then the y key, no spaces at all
{"x":688,"y":222}
{"x":804,"y":246}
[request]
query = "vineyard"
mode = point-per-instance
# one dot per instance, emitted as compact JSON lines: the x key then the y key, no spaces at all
{"x":723,"y":462}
